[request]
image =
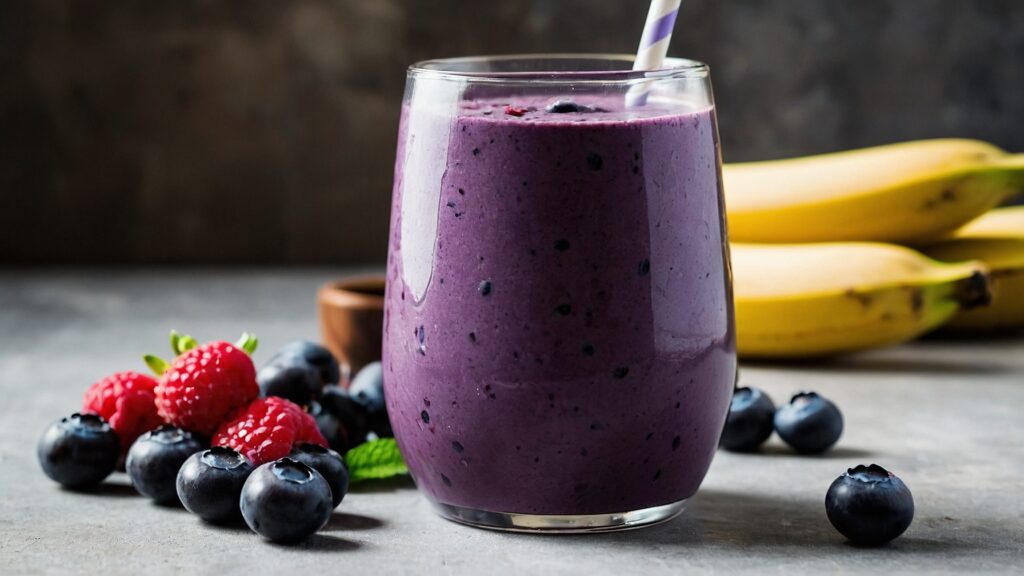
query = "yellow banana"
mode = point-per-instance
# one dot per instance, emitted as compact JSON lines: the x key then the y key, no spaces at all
{"x":909,"y":193}
{"x":997,"y":239}
{"x":809,"y":300}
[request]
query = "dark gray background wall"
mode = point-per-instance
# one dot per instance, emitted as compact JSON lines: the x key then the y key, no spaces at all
{"x":263,"y":131}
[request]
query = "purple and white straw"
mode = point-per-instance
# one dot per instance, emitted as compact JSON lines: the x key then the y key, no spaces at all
{"x":661,"y":19}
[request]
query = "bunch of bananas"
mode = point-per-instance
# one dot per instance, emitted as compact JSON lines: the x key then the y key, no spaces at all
{"x":821,"y":247}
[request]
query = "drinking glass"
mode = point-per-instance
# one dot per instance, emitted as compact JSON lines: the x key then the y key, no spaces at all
{"x":559,"y":351}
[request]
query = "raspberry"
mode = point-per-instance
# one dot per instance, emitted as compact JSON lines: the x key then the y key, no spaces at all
{"x":266,"y":430}
{"x":126,"y":401}
{"x":204,"y":385}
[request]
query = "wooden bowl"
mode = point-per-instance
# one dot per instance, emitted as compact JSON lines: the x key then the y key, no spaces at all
{"x":352,"y":321}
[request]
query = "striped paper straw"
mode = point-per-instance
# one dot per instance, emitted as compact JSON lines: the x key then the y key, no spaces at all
{"x":653,"y":45}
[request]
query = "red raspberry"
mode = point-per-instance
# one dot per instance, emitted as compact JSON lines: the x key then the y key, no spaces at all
{"x":266,"y":429}
{"x":126,"y":401}
{"x":204,"y":385}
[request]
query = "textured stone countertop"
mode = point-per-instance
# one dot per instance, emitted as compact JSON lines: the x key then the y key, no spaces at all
{"x":948,"y":417}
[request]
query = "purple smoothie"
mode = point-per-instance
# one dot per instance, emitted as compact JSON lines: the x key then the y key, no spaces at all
{"x":558,"y":321}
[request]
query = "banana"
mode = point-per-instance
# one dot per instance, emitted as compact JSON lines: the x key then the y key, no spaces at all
{"x":997,"y":239}
{"x":909,"y":193}
{"x":811,"y":300}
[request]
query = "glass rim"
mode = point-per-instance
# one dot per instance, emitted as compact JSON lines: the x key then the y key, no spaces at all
{"x":448,"y":69}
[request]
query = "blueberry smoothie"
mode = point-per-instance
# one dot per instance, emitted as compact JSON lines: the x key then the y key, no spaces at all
{"x":558,"y":318}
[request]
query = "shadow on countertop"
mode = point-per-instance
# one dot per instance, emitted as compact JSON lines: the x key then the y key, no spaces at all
{"x":871,"y":364}
{"x":758,"y":524}
{"x":348,"y":521}
{"x":393,"y":484}
{"x":322,"y":543}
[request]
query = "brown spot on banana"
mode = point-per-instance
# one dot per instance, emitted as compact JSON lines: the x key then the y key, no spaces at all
{"x":973,"y":291}
{"x":946,"y":196}
{"x":917,"y":301}
{"x":861,"y":298}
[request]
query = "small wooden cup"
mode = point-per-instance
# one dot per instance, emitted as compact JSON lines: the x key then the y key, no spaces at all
{"x":352,"y":321}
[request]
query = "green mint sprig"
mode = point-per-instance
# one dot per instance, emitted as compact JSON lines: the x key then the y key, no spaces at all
{"x":375,"y":460}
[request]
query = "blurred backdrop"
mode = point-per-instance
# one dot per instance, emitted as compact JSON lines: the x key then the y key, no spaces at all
{"x":263,"y":131}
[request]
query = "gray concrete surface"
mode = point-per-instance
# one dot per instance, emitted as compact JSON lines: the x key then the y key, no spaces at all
{"x":945,"y":416}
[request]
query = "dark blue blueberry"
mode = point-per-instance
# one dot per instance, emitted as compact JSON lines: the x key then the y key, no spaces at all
{"x":290,"y":378}
{"x":286,"y":501}
{"x":312,"y":354}
{"x":341,"y":420}
{"x":154,"y":460}
{"x":565,"y":106}
{"x":485,"y":288}
{"x":749,"y":424}
{"x":869,"y":505}
{"x":563,"y":309}
{"x":78,"y":451}
{"x":328,"y":463}
{"x":645,"y":267}
{"x":425,"y":416}
{"x":561,"y":245}
{"x":810,"y":423}
{"x":594,"y":161}
{"x":210,"y":482}
{"x":367,"y":389}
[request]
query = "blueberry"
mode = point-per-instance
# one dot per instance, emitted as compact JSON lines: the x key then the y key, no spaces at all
{"x":155,"y":458}
{"x":750,"y":420}
{"x":78,"y":451}
{"x":313,"y":354}
{"x":285,"y":501}
{"x":563,"y":107}
{"x":341,"y":420}
{"x":328,"y":463}
{"x":869,"y":505}
{"x":810,"y":423}
{"x":291,"y":378}
{"x":367,"y":389}
{"x":210,"y":482}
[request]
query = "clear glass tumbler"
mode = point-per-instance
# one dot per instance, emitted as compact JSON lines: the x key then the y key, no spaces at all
{"x":559,"y":352}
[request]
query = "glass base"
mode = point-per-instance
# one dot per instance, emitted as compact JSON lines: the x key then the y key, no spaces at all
{"x":561,"y":523}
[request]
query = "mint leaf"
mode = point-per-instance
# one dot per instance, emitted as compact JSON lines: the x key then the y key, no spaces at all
{"x":375,"y":459}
